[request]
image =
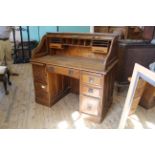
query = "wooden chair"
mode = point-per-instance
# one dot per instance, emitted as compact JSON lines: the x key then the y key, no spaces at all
{"x":5,"y":77}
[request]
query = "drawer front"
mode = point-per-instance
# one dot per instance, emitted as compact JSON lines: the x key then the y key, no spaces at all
{"x":100,"y":49}
{"x":40,"y":87}
{"x":88,"y":90}
{"x":89,"y":105}
{"x":64,"y":71}
{"x":91,"y":79}
{"x":55,"y":45}
{"x":39,"y":73}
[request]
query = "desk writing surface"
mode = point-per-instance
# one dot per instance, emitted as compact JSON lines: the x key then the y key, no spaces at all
{"x":72,"y":62}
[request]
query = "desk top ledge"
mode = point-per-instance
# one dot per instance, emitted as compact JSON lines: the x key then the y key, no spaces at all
{"x":69,"y":34}
{"x":79,"y":63}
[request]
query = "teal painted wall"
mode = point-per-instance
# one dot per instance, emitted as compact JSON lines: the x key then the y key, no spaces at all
{"x":36,"y":32}
{"x":44,"y":29}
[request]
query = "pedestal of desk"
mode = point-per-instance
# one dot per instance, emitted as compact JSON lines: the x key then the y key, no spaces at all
{"x":96,"y":90}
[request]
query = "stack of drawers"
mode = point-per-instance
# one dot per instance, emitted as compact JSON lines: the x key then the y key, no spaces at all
{"x":91,"y":92}
{"x":40,"y":84}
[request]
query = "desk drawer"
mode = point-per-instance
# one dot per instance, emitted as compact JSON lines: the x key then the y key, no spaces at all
{"x":64,"y":71}
{"x":39,"y":73}
{"x":93,"y":79}
{"x":91,"y":91}
{"x":89,"y":105}
{"x":96,"y":49}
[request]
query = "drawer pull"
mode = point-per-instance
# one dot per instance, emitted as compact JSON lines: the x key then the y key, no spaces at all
{"x":91,"y":80}
{"x":50,"y":69}
{"x":90,"y":90}
{"x":54,"y":46}
{"x":89,"y":106}
{"x":70,"y":72}
{"x":42,"y":86}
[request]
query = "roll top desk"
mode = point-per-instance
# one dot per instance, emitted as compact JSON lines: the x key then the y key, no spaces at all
{"x":81,"y":63}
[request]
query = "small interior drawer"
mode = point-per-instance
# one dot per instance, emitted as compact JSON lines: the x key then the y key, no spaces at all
{"x":64,"y":71}
{"x":91,"y":91}
{"x":89,"y":105}
{"x":55,"y":45}
{"x":97,"y":49}
{"x":93,"y":79}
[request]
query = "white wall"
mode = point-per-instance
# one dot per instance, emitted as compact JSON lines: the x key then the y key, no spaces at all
{"x":17,"y":33}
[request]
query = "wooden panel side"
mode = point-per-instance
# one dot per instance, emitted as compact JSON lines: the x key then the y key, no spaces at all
{"x":108,"y":87}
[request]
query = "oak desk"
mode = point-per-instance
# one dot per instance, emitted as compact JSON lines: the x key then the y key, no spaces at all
{"x":81,"y":63}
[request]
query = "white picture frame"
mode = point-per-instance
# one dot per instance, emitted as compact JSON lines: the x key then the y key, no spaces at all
{"x":138,"y":72}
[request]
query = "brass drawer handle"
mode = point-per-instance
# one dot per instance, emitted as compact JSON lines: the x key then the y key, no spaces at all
{"x":91,"y":80}
{"x":70,"y":72}
{"x":50,"y":69}
{"x":90,"y":90}
{"x":53,"y":46}
{"x":89,"y":106}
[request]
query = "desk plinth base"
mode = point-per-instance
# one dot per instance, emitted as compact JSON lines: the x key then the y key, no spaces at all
{"x":96,"y":119}
{"x":54,"y":100}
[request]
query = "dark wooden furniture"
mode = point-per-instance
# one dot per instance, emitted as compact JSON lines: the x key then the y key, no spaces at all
{"x":121,"y":31}
{"x":81,"y":63}
{"x":128,"y":32}
{"x":131,"y":52}
{"x":5,"y":77}
{"x":148,"y":32}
